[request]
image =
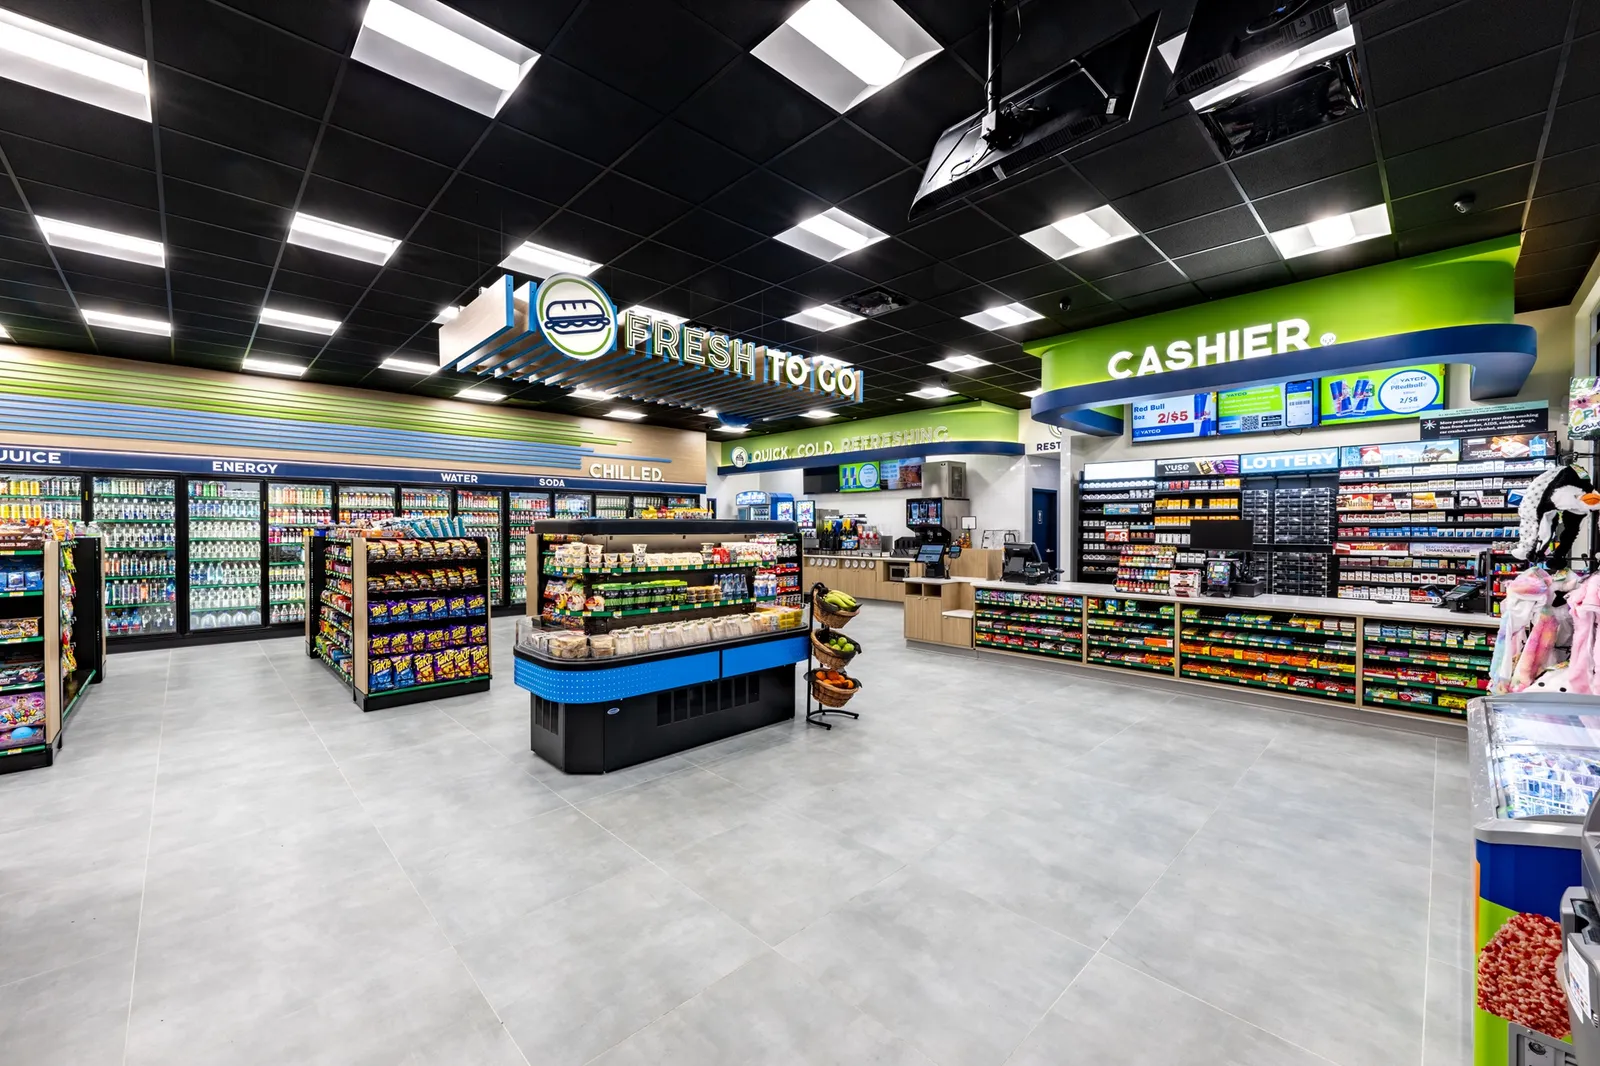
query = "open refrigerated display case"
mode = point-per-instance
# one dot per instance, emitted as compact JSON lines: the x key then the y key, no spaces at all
{"x":524,"y":509}
{"x":224,"y":551}
{"x":645,"y":502}
{"x":424,"y":503}
{"x":683,"y":501}
{"x":138,"y":520}
{"x":366,"y":503}
{"x":479,"y":512}
{"x":574,"y":505}
{"x":292,"y":511}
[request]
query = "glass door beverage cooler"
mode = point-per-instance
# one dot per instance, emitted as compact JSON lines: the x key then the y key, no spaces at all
{"x":138,"y":519}
{"x":25,"y":495}
{"x":480,"y":513}
{"x":365,"y":503}
{"x":292,"y":511}
{"x":641,"y":504}
{"x":683,"y":501}
{"x":574,"y":505}
{"x":610,"y":505}
{"x":224,"y":554}
{"x":424,"y":503}
{"x":526,"y":508}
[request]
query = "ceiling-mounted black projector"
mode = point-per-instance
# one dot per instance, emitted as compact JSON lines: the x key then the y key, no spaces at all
{"x":1231,"y":45}
{"x":1085,"y":97}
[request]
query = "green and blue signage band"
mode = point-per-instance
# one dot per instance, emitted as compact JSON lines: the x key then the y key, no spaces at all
{"x":1454,"y":306}
{"x":964,"y":429}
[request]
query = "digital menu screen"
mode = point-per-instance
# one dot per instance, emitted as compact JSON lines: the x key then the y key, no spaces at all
{"x":1175,"y":417}
{"x":900,"y":473}
{"x":860,"y":477}
{"x":1378,"y":395}
{"x":1264,"y":408}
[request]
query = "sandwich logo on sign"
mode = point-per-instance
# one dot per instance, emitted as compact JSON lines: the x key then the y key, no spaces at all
{"x":577,"y":317}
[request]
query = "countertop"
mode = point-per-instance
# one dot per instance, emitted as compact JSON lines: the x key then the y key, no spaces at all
{"x":858,"y":555}
{"x":1376,"y":609}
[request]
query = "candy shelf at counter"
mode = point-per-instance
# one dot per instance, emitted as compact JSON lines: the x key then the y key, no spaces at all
{"x":1433,"y":668}
{"x":401,"y":619}
{"x":51,"y":641}
{"x":523,"y":510}
{"x":1035,"y":623}
{"x":480,"y":516}
{"x":1144,"y":568}
{"x":137,"y":518}
{"x":1129,"y":633}
{"x":1279,"y":651}
{"x":25,"y":496}
{"x":424,"y":503}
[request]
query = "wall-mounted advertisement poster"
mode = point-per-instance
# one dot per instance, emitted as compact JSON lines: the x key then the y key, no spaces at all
{"x":1175,"y":417}
{"x":1264,"y":408}
{"x":1378,"y":395}
{"x":1583,"y":409}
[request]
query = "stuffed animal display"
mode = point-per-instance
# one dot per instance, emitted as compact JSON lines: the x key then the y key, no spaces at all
{"x":1552,"y":510}
{"x":1549,"y":634}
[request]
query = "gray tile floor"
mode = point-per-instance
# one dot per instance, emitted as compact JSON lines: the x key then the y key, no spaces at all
{"x":996,"y":864}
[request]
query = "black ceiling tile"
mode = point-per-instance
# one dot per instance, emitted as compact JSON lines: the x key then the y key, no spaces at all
{"x":1478,"y":226}
{"x":400,"y":309}
{"x":1581,"y":78}
{"x":355,"y":206}
{"x":453,"y":270}
{"x":912,"y":316}
{"x":222,"y":46}
{"x":931,"y":281}
{"x":530,"y":166}
{"x":1143,"y":280}
{"x":34,"y":274}
{"x":354,"y":160}
{"x":207,"y":203}
{"x":766,"y":203}
{"x":428,"y":291}
{"x":1042,"y":280}
{"x":1582,"y":231}
{"x":772,"y":261}
{"x":627,"y":288}
{"x":317,"y":276}
{"x":95,"y":290}
{"x":1230,"y":259}
{"x":1208,"y":231}
{"x":334,"y":26}
{"x":542,"y":107}
{"x":220,"y":115}
{"x":707,"y":235}
{"x":1350,"y":257}
{"x":532,"y":25}
{"x":775,"y":304}
{"x":1149,"y":303}
{"x":946,"y":21}
{"x":397,"y":113}
{"x":1492,"y":98}
{"x":677,"y":54}
{"x":664,"y":264}
{"x":1568,"y":279}
{"x":951,"y":331}
{"x":1342,"y":192}
{"x":827,"y":283}
{"x":20,"y":251}
{"x":1051,"y":35}
{"x":1250,"y":279}
{"x":1574,"y":255}
{"x":1199,"y":193}
{"x":117,"y":23}
{"x":1580,"y":202}
{"x":735,"y":319}
{"x":955,"y":232}
{"x":1038,"y":201}
{"x":39,"y":163}
{"x":1480,"y":152}
{"x":1488,"y":192}
{"x":1001,"y":259}
{"x":69,"y":205}
{"x":1177,"y":147}
{"x":577,"y":235}
{"x":967,"y":301}
{"x":1115,"y":258}
{"x":628,"y":205}
{"x":884,"y":260}
{"x":685,"y":163}
{"x":722,"y":285}
{"x":754,"y":110}
{"x":837,"y":162}
{"x":203,"y":163}
{"x":61,"y":120}
{"x":886,"y":205}
{"x":245,"y":311}
{"x":1458,"y":42}
{"x":200,"y":271}
{"x":494,"y":208}
{"x":1568,"y":170}
{"x":911,"y":113}
{"x":1573,"y":126}
{"x":1334,"y":148}
{"x":1540,"y":301}
{"x":447,"y":233}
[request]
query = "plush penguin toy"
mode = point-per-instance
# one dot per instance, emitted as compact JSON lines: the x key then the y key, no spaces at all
{"x":1552,"y":510}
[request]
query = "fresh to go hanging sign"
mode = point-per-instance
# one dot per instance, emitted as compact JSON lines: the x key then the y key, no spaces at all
{"x":1210,"y":349}
{"x":683,"y":343}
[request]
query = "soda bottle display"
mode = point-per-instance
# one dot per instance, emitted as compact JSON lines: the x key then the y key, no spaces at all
{"x":137,"y":517}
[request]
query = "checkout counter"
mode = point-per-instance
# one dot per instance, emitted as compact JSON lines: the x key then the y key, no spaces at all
{"x":878,"y":576}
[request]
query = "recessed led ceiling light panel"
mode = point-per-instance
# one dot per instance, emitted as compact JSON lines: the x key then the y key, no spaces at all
{"x":1081,"y":232}
{"x":958,"y":363}
{"x":78,"y":238}
{"x":538,"y":261}
{"x":437,"y":48}
{"x":478,"y":392}
{"x":1012,"y":314}
{"x":831,"y":234}
{"x":447,"y":315}
{"x":4,"y":336}
{"x":273,"y":366}
{"x":932,"y":392}
{"x":823,"y":318}
{"x":650,"y":312}
{"x":132,"y":323}
{"x":1031,"y":393}
{"x":724,"y":428}
{"x":627,"y":414}
{"x":60,"y":62}
{"x":843,"y":51}
{"x":271,"y":316}
{"x":1342,"y":40}
{"x":408,"y":366}
{"x":818,"y":413}
{"x":309,"y":231}
{"x":1333,"y":231}
{"x":585,"y":393}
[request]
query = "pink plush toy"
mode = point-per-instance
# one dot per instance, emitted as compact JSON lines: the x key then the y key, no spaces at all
{"x":1539,"y":649}
{"x":1528,"y":595}
{"x":1584,"y":603}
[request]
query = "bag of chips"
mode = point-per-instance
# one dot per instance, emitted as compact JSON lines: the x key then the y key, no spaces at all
{"x":480,"y":660}
{"x":479,"y":635}
{"x":381,"y":675}
{"x":377,"y":610}
{"x":458,"y":606}
{"x":435,"y":639}
{"x":405,"y":673}
{"x":423,"y":665}
{"x":458,"y":636}
{"x":379,"y":644}
{"x":437,"y":607}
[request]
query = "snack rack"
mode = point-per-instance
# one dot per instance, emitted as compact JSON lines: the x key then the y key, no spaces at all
{"x":435,"y":646}
{"x":52,"y":642}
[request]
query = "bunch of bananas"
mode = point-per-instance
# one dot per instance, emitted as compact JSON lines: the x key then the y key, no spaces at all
{"x":840,"y":601}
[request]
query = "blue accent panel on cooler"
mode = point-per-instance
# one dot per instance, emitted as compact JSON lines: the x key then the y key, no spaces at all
{"x":749,"y":658}
{"x":617,"y":682}
{"x":1527,"y":878}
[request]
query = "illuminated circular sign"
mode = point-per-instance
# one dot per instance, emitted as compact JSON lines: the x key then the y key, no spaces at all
{"x":868,"y":475}
{"x":1409,"y":392}
{"x":576,"y":316}
{"x":740,"y":456}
